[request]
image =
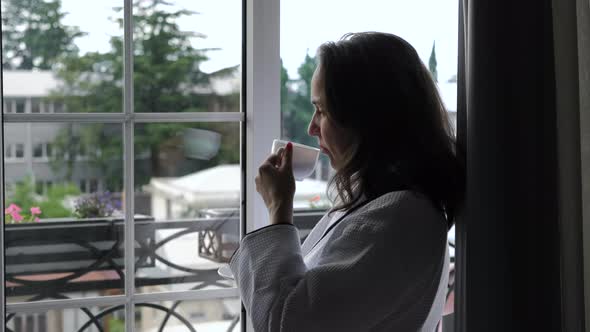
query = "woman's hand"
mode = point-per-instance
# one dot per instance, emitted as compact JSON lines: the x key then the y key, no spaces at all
{"x":276,"y":185}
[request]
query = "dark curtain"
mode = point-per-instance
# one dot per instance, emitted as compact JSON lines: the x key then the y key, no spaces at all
{"x":509,"y":235}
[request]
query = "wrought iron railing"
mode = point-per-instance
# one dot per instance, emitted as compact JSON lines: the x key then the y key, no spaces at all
{"x":52,"y":260}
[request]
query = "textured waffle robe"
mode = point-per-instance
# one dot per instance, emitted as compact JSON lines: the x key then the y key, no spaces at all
{"x":383,"y":267}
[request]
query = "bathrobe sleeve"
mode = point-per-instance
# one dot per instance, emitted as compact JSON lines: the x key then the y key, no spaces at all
{"x":379,"y":270}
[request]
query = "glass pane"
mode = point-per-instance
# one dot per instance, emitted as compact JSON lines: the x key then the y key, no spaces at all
{"x":433,"y":33}
{"x":20,"y":104}
{"x":188,"y":181}
{"x":184,"y":316}
{"x":92,"y":319}
{"x":35,"y":107}
{"x":38,"y":150}
{"x":62,"y":56}
{"x":60,"y":242}
{"x":187,"y":56}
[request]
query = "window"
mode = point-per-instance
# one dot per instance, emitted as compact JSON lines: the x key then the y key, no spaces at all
{"x":58,"y":107}
{"x":433,"y":33}
{"x":432,"y":41}
{"x":35,"y":106}
{"x":144,"y":193}
{"x":8,"y":151}
{"x":38,"y":150}
{"x":7,"y":106}
{"x":14,"y":151}
{"x":109,"y":142}
{"x":19,"y":150}
{"x":20,"y":105}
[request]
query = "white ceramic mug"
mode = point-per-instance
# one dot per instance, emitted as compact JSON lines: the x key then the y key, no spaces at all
{"x":305,"y":158}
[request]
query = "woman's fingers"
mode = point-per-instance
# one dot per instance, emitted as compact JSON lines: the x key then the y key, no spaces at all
{"x":275,"y":158}
{"x":287,"y":158}
{"x":257,"y":181}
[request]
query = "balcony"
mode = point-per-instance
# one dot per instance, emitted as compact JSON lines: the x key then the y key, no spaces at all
{"x":72,"y":258}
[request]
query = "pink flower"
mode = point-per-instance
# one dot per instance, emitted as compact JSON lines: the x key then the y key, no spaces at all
{"x":16,"y":216}
{"x":35,"y":210}
{"x":37,"y":219}
{"x":315,"y":198}
{"x":12,"y":208}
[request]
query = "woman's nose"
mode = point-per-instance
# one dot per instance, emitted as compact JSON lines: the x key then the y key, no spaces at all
{"x":312,"y":129}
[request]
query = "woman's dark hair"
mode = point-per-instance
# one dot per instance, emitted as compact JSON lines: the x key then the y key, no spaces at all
{"x":377,"y":87}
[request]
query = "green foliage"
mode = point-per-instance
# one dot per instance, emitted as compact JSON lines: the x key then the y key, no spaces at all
{"x":166,"y":77}
{"x":432,"y":63}
{"x":116,"y":325}
{"x":33,"y":35}
{"x":296,"y":107}
{"x":51,"y":204}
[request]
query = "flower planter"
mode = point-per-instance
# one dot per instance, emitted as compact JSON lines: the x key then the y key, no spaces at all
{"x":74,"y":245}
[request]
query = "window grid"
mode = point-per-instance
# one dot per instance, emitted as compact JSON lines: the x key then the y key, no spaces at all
{"x":128,"y":118}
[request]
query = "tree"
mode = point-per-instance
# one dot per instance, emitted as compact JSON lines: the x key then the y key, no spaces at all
{"x":296,"y":108}
{"x":432,"y":63}
{"x":33,"y":35}
{"x":166,"y":78}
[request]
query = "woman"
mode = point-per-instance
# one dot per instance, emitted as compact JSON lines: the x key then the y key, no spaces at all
{"x":378,"y":261}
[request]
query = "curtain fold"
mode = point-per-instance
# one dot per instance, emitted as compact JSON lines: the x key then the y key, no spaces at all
{"x":509,"y":261}
{"x":460,"y":301}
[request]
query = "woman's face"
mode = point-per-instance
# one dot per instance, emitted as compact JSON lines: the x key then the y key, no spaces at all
{"x":333,"y":140}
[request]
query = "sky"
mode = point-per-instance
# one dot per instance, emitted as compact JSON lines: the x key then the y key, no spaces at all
{"x":305,"y":24}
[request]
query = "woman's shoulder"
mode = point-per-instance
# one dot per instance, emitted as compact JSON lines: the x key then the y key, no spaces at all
{"x":400,"y":207}
{"x":399,"y":199}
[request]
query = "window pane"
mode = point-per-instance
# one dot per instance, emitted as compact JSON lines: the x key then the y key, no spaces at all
{"x":38,"y":150}
{"x":409,"y":21}
{"x":433,"y":33}
{"x":188,"y":183}
{"x":187,"y":62}
{"x":65,"y":320}
{"x":8,"y":150}
{"x":20,"y":105}
{"x":35,"y":107}
{"x":203,"y":316}
{"x":19,"y":149}
{"x":66,"y":55}
{"x":59,"y":241}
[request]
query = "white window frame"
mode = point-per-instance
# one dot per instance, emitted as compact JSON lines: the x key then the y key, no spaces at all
{"x":260,"y":124}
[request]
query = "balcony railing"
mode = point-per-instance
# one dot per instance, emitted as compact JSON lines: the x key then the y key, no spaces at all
{"x":59,"y":259}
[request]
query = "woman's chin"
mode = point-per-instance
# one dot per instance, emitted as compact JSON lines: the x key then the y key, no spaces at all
{"x":332,"y":164}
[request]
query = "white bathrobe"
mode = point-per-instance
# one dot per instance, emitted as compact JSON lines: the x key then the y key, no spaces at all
{"x":383,"y":267}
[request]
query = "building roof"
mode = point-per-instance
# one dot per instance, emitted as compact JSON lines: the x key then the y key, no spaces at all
{"x":39,"y":83}
{"x":27,"y":83}
{"x":222,"y":183}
